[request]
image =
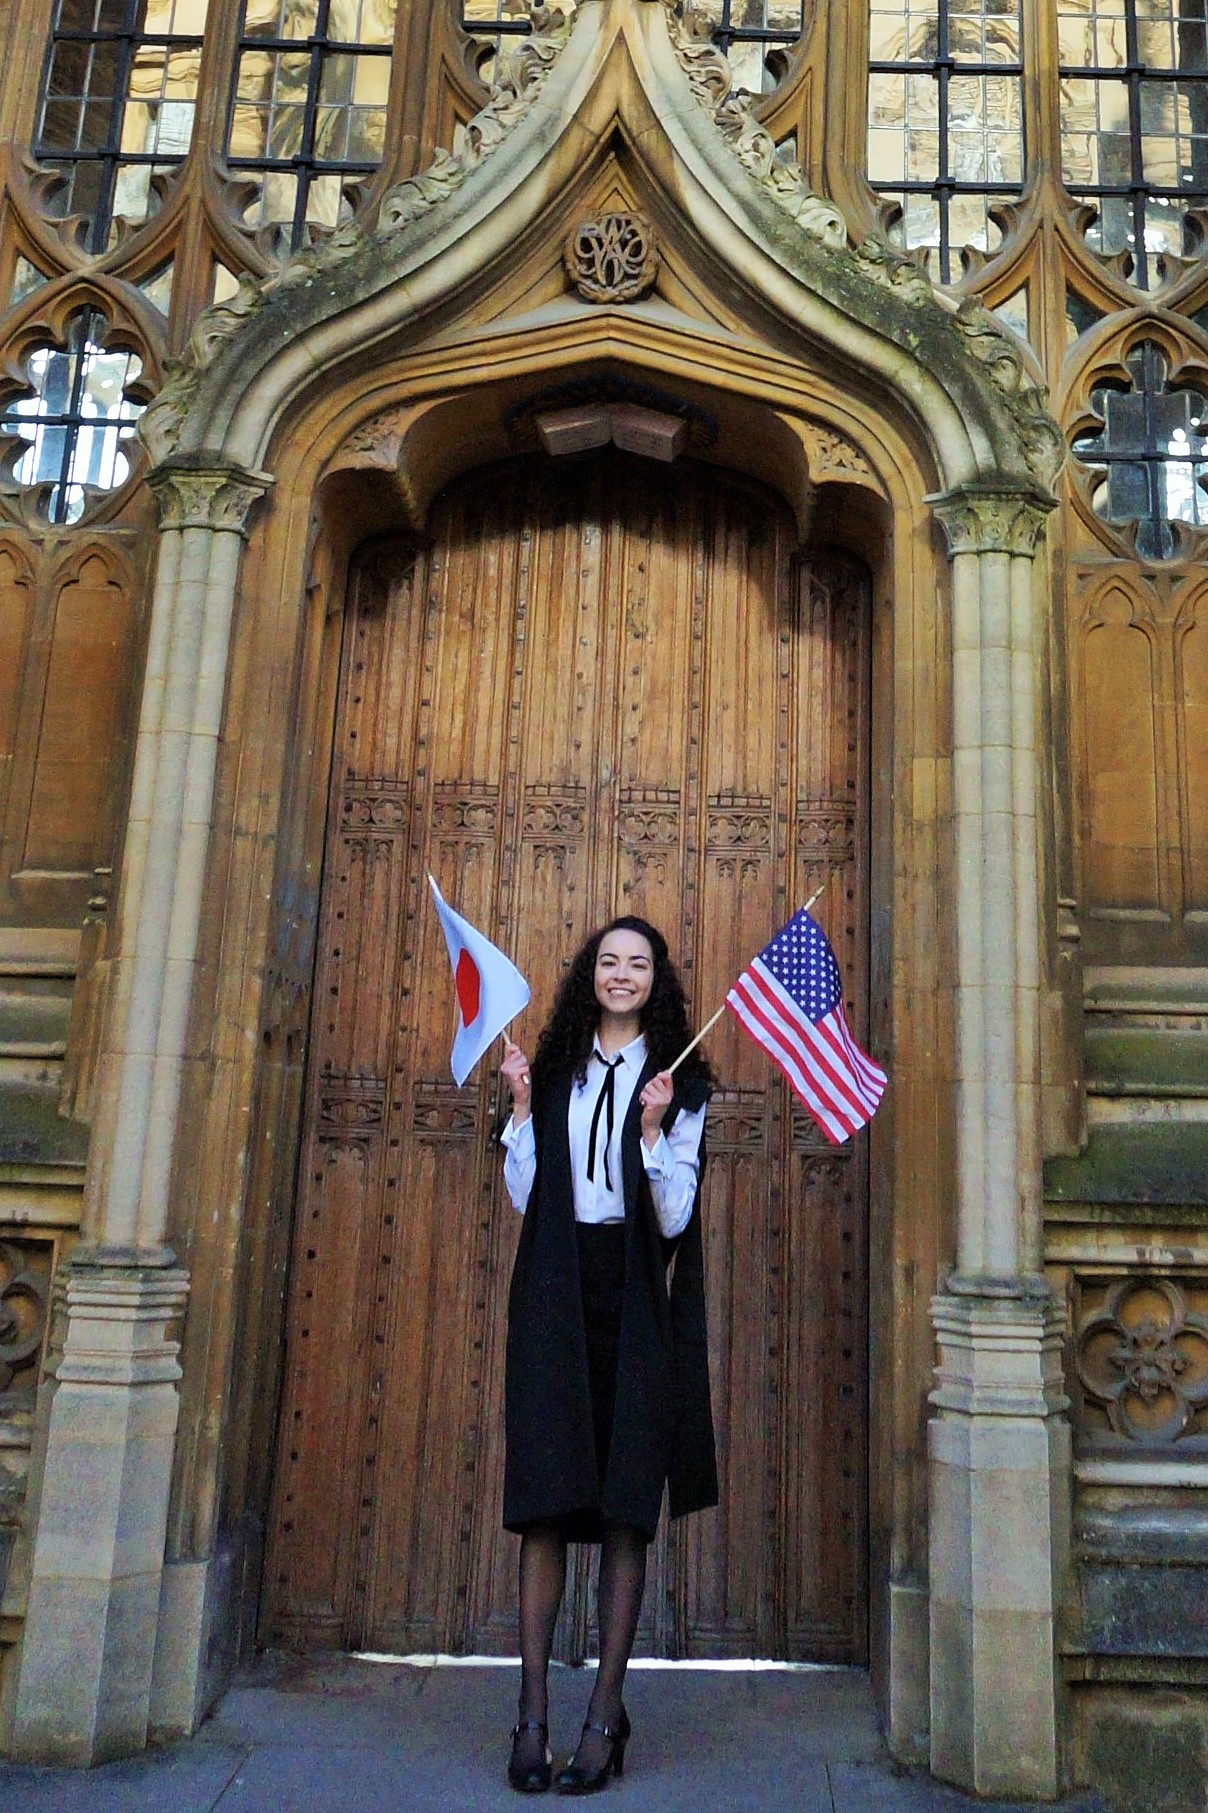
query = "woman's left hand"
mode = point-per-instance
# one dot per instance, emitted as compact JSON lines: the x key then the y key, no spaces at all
{"x":656,"y":1099}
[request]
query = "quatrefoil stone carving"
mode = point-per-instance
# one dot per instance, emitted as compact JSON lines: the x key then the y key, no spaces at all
{"x":1143,"y":1358}
{"x":612,"y":259}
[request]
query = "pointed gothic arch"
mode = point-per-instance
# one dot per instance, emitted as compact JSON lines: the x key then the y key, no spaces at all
{"x":345,"y":392}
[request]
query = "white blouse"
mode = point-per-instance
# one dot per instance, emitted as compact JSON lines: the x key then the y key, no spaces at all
{"x":672,"y":1164}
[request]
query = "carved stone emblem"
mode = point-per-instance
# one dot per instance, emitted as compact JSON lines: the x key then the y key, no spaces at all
{"x":613,"y":259}
{"x":1143,"y":1358}
{"x":24,"y":1302}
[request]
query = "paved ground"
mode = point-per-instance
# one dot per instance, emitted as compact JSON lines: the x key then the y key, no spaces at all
{"x":359,"y":1737}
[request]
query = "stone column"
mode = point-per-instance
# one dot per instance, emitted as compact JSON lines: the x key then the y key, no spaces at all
{"x":81,"y":1691}
{"x":998,"y":1443}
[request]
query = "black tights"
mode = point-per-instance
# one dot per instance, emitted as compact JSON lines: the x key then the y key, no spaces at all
{"x":542,"y":1580}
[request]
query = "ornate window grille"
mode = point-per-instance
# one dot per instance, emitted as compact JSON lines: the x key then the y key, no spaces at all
{"x":65,"y":437}
{"x":308,"y":108}
{"x":1149,"y":460}
{"x":115,"y":116}
{"x":1134,"y":123}
{"x":945,"y":119}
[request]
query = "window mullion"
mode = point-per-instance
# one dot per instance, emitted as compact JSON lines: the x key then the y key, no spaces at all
{"x":306,"y":160}
{"x":77,"y":347}
{"x":103,"y":218}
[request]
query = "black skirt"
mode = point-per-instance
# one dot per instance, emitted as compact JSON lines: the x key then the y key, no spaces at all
{"x":602,"y":1291}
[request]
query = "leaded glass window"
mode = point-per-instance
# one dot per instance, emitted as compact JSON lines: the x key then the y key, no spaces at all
{"x":1134,"y":122}
{"x":1149,"y":459}
{"x":66,"y":435}
{"x":755,"y":35}
{"x":308,"y":110}
{"x":118,"y":98}
{"x":945,"y":120}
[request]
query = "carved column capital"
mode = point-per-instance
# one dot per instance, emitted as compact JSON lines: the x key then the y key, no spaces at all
{"x":207,"y":496}
{"x":979,"y":520}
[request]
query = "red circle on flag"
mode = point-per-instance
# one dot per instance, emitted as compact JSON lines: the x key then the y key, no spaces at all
{"x":469,"y":987}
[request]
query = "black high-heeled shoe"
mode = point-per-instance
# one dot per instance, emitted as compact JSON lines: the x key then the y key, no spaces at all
{"x":575,"y":1779}
{"x":530,"y":1778}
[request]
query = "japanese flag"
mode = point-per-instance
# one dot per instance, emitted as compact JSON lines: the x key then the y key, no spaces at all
{"x":490,"y":989}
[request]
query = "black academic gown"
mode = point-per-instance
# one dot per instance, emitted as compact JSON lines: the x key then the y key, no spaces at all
{"x":662,"y":1430}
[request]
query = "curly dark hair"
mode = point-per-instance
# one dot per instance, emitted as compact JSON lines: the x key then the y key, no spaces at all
{"x":566,"y":1043}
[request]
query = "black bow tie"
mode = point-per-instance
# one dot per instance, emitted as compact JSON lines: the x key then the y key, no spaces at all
{"x":607,"y":1098}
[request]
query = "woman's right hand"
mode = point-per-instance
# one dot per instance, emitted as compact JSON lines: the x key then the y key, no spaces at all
{"x":515,"y":1072}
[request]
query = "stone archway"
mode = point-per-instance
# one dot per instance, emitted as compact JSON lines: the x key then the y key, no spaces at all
{"x":825,"y":341}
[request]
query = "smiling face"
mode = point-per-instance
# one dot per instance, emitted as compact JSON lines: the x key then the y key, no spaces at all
{"x":624,"y":975}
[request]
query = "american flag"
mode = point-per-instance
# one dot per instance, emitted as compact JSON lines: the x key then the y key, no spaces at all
{"x":790,"y":1000}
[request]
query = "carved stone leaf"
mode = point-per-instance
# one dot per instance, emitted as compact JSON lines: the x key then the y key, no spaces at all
{"x":522,"y":71}
{"x":832,"y":454}
{"x":712,"y":82}
{"x":993,"y":347}
{"x":894,"y":269}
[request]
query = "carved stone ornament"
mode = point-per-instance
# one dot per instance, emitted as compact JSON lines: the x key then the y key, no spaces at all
{"x":24,"y":1305}
{"x":832,"y":455}
{"x":990,"y":343}
{"x":991,"y":521}
{"x":522,"y":71}
{"x":218,"y":497}
{"x":612,"y":259}
{"x":712,"y":82}
{"x":1143,"y":1358}
{"x":161,"y":422}
{"x":376,"y":442}
{"x":895,"y":269}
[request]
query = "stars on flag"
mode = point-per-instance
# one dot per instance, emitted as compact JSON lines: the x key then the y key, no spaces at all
{"x":790,"y":1001}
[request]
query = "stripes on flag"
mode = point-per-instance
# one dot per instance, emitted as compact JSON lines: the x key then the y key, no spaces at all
{"x":838,"y":1084}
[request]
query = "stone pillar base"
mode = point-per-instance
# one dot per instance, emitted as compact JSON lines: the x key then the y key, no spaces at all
{"x":999,"y":1540}
{"x":196,"y":1644}
{"x":908,"y":1710}
{"x":83,"y":1688}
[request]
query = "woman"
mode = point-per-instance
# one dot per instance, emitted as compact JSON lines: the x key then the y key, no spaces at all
{"x":607,"y":1373}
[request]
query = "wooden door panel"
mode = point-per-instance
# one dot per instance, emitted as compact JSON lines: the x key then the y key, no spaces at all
{"x":326,"y":1429}
{"x":601,"y":686}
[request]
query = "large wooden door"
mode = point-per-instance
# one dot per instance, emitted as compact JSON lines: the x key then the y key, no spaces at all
{"x":600,"y":687}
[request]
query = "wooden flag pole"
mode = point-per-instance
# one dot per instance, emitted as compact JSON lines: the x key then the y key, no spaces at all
{"x":712,"y":1021}
{"x":814,"y":896}
{"x":696,"y":1041}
